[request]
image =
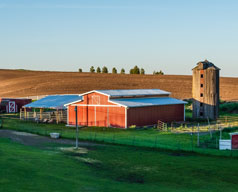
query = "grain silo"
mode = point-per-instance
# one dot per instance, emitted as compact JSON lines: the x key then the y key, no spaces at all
{"x":205,"y":90}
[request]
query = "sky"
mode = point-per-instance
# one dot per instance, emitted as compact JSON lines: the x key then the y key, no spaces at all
{"x":167,"y":35}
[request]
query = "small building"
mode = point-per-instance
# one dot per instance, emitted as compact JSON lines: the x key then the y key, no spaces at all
{"x":12,"y":105}
{"x":124,"y":108}
{"x":205,"y":90}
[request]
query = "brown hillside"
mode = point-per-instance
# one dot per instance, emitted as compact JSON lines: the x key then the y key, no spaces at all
{"x":17,"y":83}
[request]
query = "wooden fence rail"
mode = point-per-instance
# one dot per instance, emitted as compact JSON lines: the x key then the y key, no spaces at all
{"x":50,"y":117}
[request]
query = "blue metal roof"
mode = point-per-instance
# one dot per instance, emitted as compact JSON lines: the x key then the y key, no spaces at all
{"x":143,"y":102}
{"x":54,"y":101}
{"x":133,"y":92}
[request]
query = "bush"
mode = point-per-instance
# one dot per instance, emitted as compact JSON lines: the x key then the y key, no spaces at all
{"x":80,"y":70}
{"x":229,"y":107}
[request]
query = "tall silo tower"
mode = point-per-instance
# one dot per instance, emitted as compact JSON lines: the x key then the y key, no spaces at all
{"x":205,"y":90}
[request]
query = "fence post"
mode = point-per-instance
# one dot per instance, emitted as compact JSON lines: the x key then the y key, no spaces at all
{"x":220,"y":133}
{"x":192,"y":138}
{"x":198,"y":142}
{"x":216,"y":143}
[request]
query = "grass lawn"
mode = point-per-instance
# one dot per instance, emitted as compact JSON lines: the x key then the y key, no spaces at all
{"x":112,"y":168}
{"x":146,"y":138}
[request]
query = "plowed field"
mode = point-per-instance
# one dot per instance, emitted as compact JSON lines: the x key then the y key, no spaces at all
{"x":21,"y":83}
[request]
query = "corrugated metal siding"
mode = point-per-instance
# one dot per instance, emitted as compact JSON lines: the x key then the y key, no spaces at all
{"x":142,"y":116}
{"x":112,"y":116}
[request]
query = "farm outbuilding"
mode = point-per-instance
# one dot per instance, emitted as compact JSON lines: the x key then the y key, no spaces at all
{"x":49,"y":108}
{"x":125,"y":108}
{"x":12,"y":105}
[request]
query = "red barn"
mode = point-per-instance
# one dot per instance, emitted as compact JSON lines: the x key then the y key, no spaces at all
{"x":124,"y":108}
{"x":12,"y":105}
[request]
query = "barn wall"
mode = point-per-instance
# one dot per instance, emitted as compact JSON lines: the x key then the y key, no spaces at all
{"x":18,"y":102}
{"x":104,"y":116}
{"x":141,"y":116}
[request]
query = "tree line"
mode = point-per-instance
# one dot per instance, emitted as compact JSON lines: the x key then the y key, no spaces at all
{"x":134,"y":70}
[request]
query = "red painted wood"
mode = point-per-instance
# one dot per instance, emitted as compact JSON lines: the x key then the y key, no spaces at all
{"x":86,"y":114}
{"x":141,"y":116}
{"x":234,"y":141}
{"x":19,"y":103}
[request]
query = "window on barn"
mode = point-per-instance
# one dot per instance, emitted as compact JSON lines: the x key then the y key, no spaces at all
{"x":96,"y":100}
{"x":201,"y":75}
{"x":201,"y":85}
{"x":201,"y":94}
{"x":201,"y":114}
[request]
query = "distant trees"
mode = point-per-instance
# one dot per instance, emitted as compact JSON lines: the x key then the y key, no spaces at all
{"x":142,"y":71}
{"x":98,"y":70}
{"x":114,"y":70}
{"x":122,"y":71}
{"x":92,"y":70}
{"x":158,"y":73}
{"x":135,"y":70}
{"x":104,"y":69}
{"x":80,"y":70}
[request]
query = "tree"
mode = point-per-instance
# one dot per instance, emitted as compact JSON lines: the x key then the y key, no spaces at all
{"x":114,"y":70}
{"x":142,"y":71}
{"x":98,"y":70}
{"x":104,"y":70}
{"x":80,"y":70}
{"x":122,"y":71}
{"x":92,"y":70}
{"x":135,"y":70}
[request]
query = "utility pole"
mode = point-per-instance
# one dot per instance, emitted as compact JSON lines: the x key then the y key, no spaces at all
{"x":77,"y":128}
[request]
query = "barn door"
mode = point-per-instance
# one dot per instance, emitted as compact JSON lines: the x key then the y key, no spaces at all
{"x":12,"y":107}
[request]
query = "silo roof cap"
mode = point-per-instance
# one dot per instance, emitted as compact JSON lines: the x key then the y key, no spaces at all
{"x":205,"y":65}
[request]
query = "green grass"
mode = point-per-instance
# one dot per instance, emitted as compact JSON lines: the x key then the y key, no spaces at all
{"x":144,"y":138}
{"x":118,"y":168}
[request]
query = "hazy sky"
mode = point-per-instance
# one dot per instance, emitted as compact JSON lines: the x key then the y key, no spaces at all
{"x":171,"y":35}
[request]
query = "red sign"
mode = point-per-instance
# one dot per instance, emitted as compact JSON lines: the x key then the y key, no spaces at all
{"x":234,"y":141}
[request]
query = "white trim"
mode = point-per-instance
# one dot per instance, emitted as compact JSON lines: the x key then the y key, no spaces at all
{"x":126,"y":117}
{"x":95,"y":109}
{"x":73,"y":102}
{"x":116,"y":103}
{"x":67,"y":114}
{"x":184,"y":112}
{"x":93,"y":91}
{"x":89,"y":105}
{"x":83,"y":94}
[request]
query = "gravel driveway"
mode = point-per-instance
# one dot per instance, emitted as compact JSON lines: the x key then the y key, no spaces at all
{"x":36,"y":140}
